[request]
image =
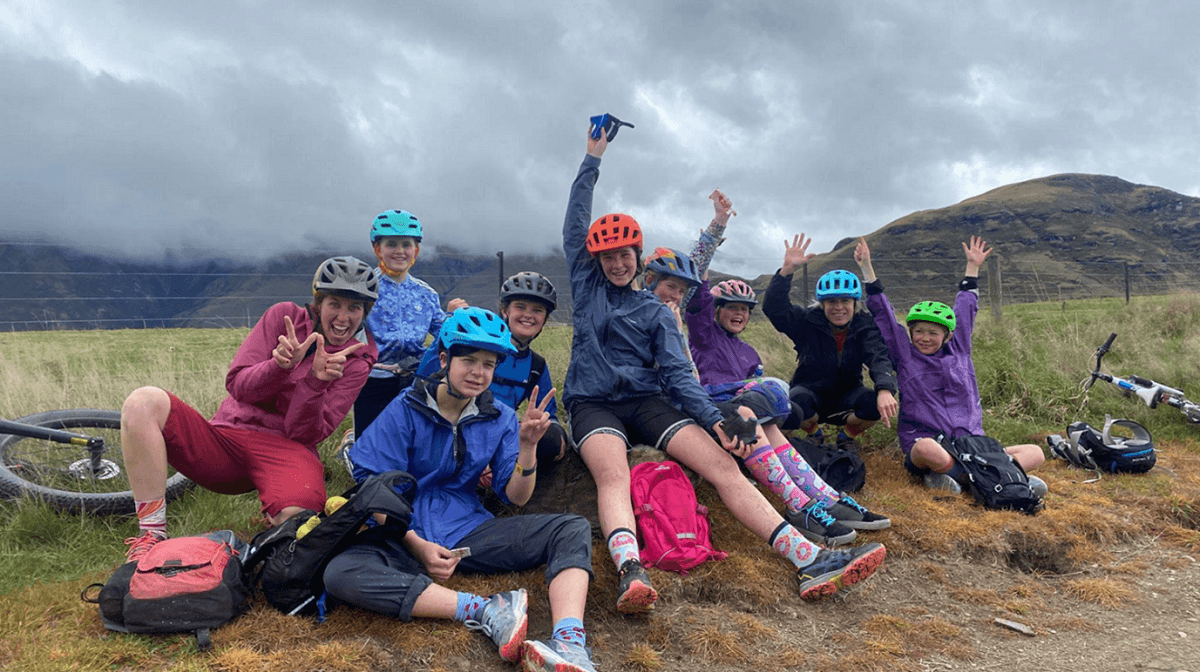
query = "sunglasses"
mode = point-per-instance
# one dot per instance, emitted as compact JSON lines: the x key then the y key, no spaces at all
{"x":609,"y":123}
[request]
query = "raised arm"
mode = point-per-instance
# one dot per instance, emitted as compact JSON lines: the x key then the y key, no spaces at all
{"x":977,"y":252}
{"x":862,"y":257}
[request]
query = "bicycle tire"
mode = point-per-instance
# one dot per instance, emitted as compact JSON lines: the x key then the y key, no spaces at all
{"x":43,"y":469}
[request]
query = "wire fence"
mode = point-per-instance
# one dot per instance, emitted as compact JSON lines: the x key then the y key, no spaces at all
{"x":120,"y":299}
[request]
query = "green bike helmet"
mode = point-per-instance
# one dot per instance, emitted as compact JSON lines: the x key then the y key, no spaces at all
{"x":395,"y":223}
{"x":932,"y":311}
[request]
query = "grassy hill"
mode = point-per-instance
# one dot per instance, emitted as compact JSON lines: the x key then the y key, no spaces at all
{"x":1073,"y":569}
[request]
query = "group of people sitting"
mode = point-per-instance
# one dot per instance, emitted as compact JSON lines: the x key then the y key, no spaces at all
{"x":447,"y":414}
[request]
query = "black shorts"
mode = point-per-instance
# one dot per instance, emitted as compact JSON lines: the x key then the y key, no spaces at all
{"x":836,"y":407}
{"x":652,"y":421}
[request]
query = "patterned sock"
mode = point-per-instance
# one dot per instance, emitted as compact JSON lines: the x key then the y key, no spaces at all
{"x":817,"y":436}
{"x":469,"y":606}
{"x":789,"y":543}
{"x":849,"y":432}
{"x":570,"y":630}
{"x":766,"y":468}
{"x":805,"y":477}
{"x":622,"y":544}
{"x":152,"y":516}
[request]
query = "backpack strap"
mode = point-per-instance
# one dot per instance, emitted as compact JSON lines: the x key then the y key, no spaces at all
{"x":537,"y":367}
{"x":204,"y":639}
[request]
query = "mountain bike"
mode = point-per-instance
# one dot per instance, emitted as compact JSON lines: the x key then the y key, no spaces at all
{"x":1150,"y":392}
{"x":71,"y":460}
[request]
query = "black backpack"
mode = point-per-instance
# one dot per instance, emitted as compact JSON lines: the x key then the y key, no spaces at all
{"x":842,"y":468}
{"x":1085,"y":447}
{"x":292,"y":569}
{"x":185,"y":584}
{"x":995,"y":479}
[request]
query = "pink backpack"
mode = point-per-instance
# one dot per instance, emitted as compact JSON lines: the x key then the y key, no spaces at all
{"x":672,"y":525}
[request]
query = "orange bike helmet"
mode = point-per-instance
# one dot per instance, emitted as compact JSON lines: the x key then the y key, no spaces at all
{"x":614,"y":231}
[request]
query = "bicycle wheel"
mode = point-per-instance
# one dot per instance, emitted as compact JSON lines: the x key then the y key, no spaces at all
{"x":61,"y":475}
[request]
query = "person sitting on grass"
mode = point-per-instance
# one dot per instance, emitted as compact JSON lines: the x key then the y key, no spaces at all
{"x":445,"y":433}
{"x":290,"y":385}
{"x":833,"y":342}
{"x":527,"y":300}
{"x":937,"y":381}
{"x":730,"y":371}
{"x":733,"y":370}
{"x":625,"y":351}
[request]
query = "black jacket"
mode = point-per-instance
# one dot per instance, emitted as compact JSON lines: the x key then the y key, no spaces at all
{"x":817,"y":365}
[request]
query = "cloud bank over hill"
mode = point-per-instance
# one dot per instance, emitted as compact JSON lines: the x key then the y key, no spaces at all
{"x":251,"y":130}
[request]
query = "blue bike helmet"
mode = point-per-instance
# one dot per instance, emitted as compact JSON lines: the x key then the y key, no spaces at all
{"x":839,"y":284}
{"x":666,"y":261}
{"x":395,"y":223}
{"x":477,"y":328}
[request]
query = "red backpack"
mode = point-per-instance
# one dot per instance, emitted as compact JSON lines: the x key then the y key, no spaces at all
{"x":672,"y":525}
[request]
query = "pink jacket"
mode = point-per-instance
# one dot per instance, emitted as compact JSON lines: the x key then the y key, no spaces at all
{"x":289,"y":403}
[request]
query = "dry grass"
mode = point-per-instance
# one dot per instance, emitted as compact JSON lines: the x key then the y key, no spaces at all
{"x":1106,"y":592}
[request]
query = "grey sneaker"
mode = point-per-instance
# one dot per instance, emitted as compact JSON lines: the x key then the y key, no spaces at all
{"x":557,"y":656}
{"x":833,"y":569}
{"x":942,"y":482}
{"x":1038,"y":486}
{"x":815,"y":523}
{"x":504,"y":619}
{"x":856,"y":516}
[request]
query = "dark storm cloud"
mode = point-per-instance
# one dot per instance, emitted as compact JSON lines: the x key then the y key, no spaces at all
{"x":252,"y":129}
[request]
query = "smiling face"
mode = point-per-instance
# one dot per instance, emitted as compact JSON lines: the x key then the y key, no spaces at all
{"x":397,"y":253}
{"x":928,"y":337}
{"x":619,"y":265}
{"x":525,"y":318}
{"x":733,"y":317}
{"x":340,"y":318}
{"x":838,"y":311}
{"x":670,"y":290}
{"x":470,"y":374}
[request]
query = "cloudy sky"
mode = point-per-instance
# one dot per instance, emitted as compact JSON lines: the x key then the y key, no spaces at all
{"x":252,"y":129}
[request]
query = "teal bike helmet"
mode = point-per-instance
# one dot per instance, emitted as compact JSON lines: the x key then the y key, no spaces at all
{"x":839,"y":284}
{"x":667,"y":262}
{"x":395,"y":223}
{"x":479,"y":329}
{"x":932,"y":311}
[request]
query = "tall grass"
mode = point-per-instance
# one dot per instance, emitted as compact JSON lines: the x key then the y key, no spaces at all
{"x":1030,"y":364}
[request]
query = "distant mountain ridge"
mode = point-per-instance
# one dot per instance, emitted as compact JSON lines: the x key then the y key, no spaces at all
{"x":1075,"y":230}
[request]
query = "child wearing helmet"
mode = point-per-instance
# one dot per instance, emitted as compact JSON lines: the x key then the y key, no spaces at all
{"x":408,"y":310}
{"x":833,"y":340}
{"x":527,"y":300}
{"x":730,"y":371}
{"x":937,"y":382}
{"x":290,"y":385}
{"x":626,"y":351}
{"x":446,"y":432}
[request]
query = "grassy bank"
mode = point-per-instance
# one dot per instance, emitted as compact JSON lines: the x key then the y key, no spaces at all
{"x":1030,"y":364}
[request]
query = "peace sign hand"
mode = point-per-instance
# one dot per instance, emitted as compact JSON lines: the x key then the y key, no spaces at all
{"x":331,"y":366}
{"x":291,"y":350}
{"x":536,"y":420}
{"x":795,"y":254}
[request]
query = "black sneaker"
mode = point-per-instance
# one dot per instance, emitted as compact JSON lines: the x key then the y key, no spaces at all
{"x":635,"y":593}
{"x":844,"y":441}
{"x":834,"y":569}
{"x":856,"y":516}
{"x":815,"y":523}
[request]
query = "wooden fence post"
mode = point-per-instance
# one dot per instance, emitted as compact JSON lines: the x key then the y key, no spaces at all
{"x":994,"y":297}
